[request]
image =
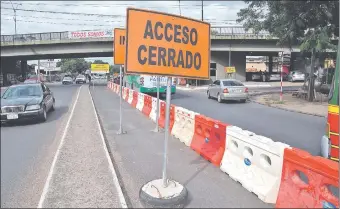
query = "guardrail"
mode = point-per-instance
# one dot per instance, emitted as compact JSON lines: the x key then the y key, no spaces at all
{"x":227,"y":32}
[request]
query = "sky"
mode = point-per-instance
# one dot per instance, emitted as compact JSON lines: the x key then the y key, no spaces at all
{"x":218,"y":13}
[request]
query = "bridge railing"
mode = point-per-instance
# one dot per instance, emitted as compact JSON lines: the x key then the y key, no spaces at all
{"x":226,"y":32}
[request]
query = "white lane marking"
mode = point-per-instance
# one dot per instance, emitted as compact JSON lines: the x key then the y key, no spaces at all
{"x":49,"y":177}
{"x":114,"y":174}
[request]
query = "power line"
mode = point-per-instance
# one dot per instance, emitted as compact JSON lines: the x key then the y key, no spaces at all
{"x":67,"y":13}
{"x":211,"y":20}
{"x":61,"y":23}
{"x":61,"y":18}
{"x":116,"y":5}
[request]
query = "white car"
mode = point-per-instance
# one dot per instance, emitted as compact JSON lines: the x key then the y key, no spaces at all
{"x":80,"y":79}
{"x":67,"y":80}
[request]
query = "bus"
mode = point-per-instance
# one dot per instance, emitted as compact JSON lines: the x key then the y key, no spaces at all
{"x":330,"y":141}
{"x":147,"y":84}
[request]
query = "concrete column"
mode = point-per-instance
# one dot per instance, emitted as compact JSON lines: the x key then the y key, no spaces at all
{"x":8,"y":66}
{"x":270,"y":64}
{"x":238,"y":59}
{"x":23,"y":65}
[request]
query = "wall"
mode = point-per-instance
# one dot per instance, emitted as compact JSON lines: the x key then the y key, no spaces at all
{"x":238,"y":59}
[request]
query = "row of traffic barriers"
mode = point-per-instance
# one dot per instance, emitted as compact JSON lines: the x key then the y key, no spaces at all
{"x":274,"y":171}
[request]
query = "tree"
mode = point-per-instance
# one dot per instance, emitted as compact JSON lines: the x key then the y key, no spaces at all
{"x":309,"y":24}
{"x":78,"y":65}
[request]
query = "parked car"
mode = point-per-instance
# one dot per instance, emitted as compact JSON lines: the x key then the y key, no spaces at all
{"x":228,"y":89}
{"x":296,"y":76}
{"x":26,"y":101}
{"x":80,"y":79}
{"x":67,"y":80}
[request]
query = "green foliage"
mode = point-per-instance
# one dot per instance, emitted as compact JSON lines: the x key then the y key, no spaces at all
{"x":309,"y":24}
{"x":80,"y":65}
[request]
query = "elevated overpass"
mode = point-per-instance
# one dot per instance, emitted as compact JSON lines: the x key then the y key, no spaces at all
{"x":232,"y":42}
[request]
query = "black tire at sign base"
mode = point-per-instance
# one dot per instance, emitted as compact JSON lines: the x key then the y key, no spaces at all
{"x":152,"y":202}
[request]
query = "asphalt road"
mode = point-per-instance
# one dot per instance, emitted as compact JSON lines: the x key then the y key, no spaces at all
{"x":298,"y":130}
{"x":27,"y":151}
{"x":138,"y":157}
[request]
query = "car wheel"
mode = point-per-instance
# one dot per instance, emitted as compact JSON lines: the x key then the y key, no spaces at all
{"x":243,"y":101}
{"x":44,"y":115}
{"x":219,"y":99}
{"x":208,"y":93}
{"x":53,"y":105}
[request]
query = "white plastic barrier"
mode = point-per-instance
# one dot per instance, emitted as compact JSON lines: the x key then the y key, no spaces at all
{"x":130,"y":96}
{"x":254,"y":161}
{"x":153,"y":109}
{"x":140,"y":103}
{"x":117,"y":88}
{"x":124,"y":92}
{"x":184,"y":125}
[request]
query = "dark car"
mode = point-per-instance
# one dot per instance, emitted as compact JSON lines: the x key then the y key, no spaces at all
{"x":26,"y":101}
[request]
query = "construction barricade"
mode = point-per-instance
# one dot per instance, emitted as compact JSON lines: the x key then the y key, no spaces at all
{"x":162,"y":111}
{"x":308,"y":181}
{"x":209,"y":139}
{"x":118,"y":89}
{"x":153,"y":112}
{"x":254,"y":161}
{"x":124,"y":91}
{"x":184,"y":125}
{"x":115,"y":86}
{"x":126,"y":94}
{"x":134,"y":99}
{"x":140,"y":102}
{"x":130,"y":96}
{"x":147,"y":105}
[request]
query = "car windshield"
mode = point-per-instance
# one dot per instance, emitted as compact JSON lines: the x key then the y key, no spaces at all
{"x":68,"y":78}
{"x":23,"y":91}
{"x":232,"y":83}
{"x":80,"y":76}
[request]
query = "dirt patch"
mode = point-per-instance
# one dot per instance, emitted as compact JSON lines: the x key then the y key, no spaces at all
{"x":292,"y":103}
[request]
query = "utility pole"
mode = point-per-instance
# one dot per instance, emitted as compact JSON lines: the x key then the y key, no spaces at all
{"x":15,"y":17}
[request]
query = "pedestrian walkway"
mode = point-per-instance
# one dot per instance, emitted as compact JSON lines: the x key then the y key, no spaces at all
{"x":81,"y":176}
{"x":138,"y":157}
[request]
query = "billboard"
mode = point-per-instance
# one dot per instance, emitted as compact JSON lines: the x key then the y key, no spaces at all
{"x":90,"y":34}
{"x":100,"y":68}
{"x":166,"y":45}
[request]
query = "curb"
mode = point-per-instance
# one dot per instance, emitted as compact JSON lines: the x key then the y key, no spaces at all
{"x":289,"y":110}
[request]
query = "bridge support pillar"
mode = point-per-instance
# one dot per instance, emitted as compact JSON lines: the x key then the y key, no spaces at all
{"x":238,"y":60}
{"x":23,"y":67}
{"x":8,"y":66}
{"x":270,"y":64}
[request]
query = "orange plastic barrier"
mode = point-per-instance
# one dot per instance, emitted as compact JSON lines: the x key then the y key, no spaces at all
{"x":134,"y":99}
{"x":147,"y":105}
{"x":209,"y":139}
{"x":295,"y":192}
{"x":161,"y":120}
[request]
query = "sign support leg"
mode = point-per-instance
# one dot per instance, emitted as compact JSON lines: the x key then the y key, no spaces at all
{"x":157,"y":106}
{"x":170,"y":192}
{"x":120,"y":131}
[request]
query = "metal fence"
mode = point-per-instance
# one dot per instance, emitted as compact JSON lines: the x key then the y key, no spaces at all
{"x":227,"y":32}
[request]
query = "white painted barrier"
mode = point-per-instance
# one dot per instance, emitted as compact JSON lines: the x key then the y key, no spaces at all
{"x":153,"y":109}
{"x":124,"y":92}
{"x":254,"y":161}
{"x":130,"y":96}
{"x":184,"y":125}
{"x":140,"y":103}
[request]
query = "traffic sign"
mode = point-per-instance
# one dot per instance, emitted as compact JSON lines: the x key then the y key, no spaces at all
{"x":230,"y":69}
{"x":119,"y":46}
{"x":166,"y":44}
{"x":100,"y":68}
